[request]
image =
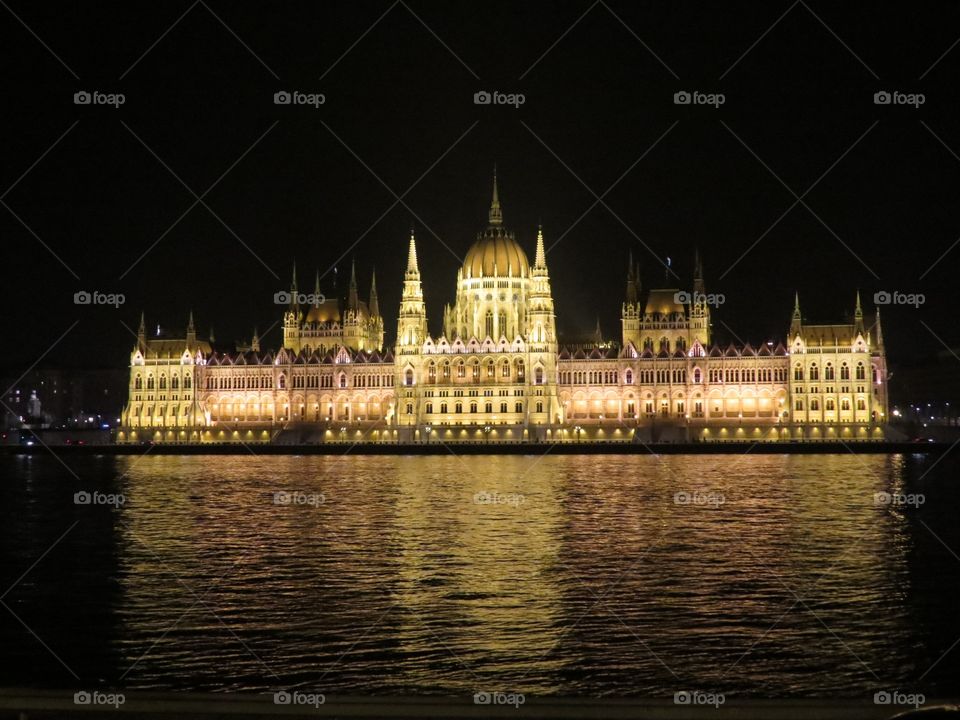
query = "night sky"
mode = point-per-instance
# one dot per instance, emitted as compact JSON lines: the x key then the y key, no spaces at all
{"x":101,"y":186}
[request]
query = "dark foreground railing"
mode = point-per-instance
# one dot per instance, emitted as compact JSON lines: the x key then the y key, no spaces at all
{"x":36,"y":705}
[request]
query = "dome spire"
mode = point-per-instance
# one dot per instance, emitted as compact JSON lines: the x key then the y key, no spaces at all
{"x":495,"y":216}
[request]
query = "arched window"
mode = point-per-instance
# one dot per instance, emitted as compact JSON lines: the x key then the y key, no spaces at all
{"x":473,"y":407}
{"x":861,"y":373}
{"x":681,"y":344}
{"x":491,"y":371}
{"x":163,"y":382}
{"x":814,"y":372}
{"x":408,"y":377}
{"x":828,"y":372}
{"x":282,"y":382}
{"x":446,"y":371}
{"x":538,"y":376}
{"x":138,"y":383}
{"x":664,"y":345}
{"x":844,"y":372}
{"x":342,"y":380}
{"x":432,"y":372}
{"x":798,"y":372}
{"x":502,"y":323}
{"x":175,"y":383}
{"x":519,"y":369}
{"x":461,"y":370}
{"x":150,"y":385}
{"x":696,"y":375}
{"x":489,"y":323}
{"x":458,"y":408}
{"x":505,"y":369}
{"x":628,"y":377}
{"x":476,"y":369}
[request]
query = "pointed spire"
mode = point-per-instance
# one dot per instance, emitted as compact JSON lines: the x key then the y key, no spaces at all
{"x":353,"y":300}
{"x":858,"y":312}
{"x":255,"y":341}
{"x":632,"y":290}
{"x":879,"y":330}
{"x":540,"y":261}
{"x":495,"y":216}
{"x":142,"y":332}
{"x":293,"y":279}
{"x":796,"y":305}
{"x":597,"y":333}
{"x":316,"y":289}
{"x":191,"y":330}
{"x":373,"y":303}
{"x":412,"y":255}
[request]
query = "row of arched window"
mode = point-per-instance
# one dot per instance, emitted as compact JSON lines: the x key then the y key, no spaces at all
{"x":151,"y":383}
{"x":829,"y":372}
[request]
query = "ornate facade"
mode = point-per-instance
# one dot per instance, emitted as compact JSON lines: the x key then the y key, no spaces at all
{"x":497,"y":372}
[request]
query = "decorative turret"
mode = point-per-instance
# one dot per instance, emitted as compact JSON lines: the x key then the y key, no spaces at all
{"x":858,"y":326}
{"x":293,"y":315}
{"x":630,"y":312}
{"x":540,"y":260}
{"x":373,"y":303}
{"x":879,"y":332}
{"x":353,"y":298}
{"x":191,"y":332}
{"x":142,"y":334}
{"x":255,"y":341}
{"x":495,"y":216}
{"x":699,"y":309}
{"x":412,"y":323}
{"x":796,"y":323}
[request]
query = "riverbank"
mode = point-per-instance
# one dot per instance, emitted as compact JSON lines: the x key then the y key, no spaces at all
{"x":479,"y":448}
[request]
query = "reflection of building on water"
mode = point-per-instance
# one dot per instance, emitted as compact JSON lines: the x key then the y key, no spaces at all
{"x":498,"y":373}
{"x":476,"y":562}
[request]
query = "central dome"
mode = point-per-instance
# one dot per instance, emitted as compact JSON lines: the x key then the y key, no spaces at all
{"x":496,"y":253}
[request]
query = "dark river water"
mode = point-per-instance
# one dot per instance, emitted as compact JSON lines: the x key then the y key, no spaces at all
{"x":756,"y":575}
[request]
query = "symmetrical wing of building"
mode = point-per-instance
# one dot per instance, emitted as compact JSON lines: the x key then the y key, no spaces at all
{"x":497,"y":373}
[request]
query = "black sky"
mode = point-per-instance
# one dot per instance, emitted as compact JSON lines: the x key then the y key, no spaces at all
{"x":304,"y":183}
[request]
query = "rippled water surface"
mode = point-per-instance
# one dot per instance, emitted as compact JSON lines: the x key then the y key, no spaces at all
{"x":575,"y":575}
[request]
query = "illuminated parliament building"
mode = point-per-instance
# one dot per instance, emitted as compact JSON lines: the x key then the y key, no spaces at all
{"x":497,"y":373}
